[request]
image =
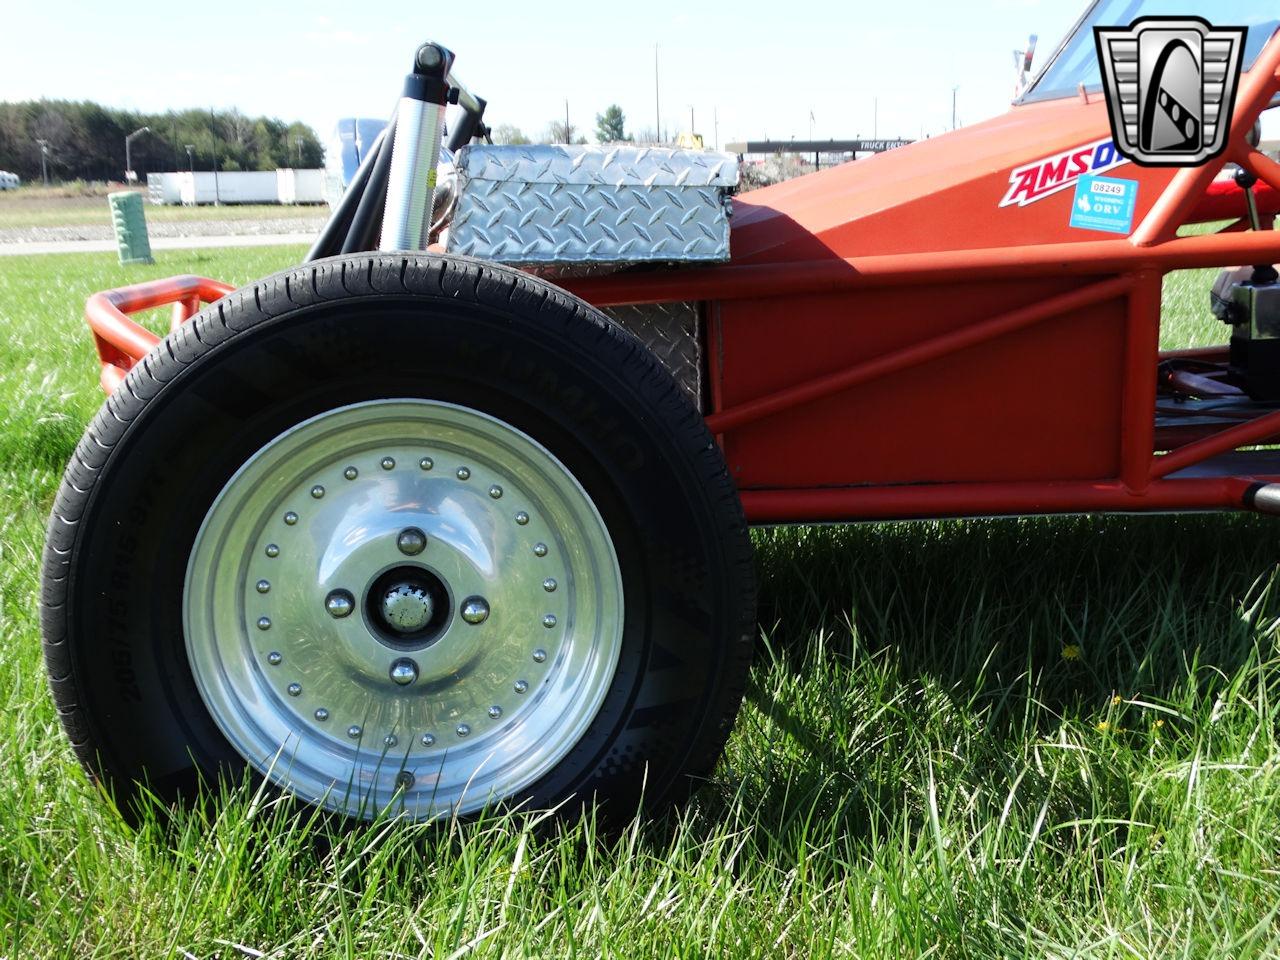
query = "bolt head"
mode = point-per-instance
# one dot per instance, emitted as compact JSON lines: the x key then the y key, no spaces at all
{"x":427,"y":739}
{"x":539,"y":549}
{"x":390,"y":740}
{"x":495,"y":491}
{"x":522,"y":518}
{"x":463,"y":473}
{"x":291,"y":518}
{"x":549,"y":585}
{"x":388,"y":463}
{"x":322,"y":714}
{"x":539,"y":656}
{"x":404,"y":779}
{"x":339,"y":603}
{"x":404,"y":671}
{"x":295,"y":689}
{"x":549,"y":620}
{"x":495,"y":712}
{"x":411,"y":541}
{"x":475,"y":610}
{"x":426,"y":463}
{"x":274,"y":658}
{"x":463,"y":730}
{"x":354,"y":731}
{"x":521,"y":686}
{"x":263,"y":586}
{"x":351,"y":473}
{"x":272,"y":550}
{"x":264,"y":623}
{"x":317,"y":492}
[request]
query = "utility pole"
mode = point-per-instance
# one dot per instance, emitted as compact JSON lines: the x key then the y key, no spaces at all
{"x":953,"y":107}
{"x":191,"y":157}
{"x":297,"y":148}
{"x":44,"y":160}
{"x":657,"y":102}
{"x":692,"y":125}
{"x":715,"y":121}
{"x":129,"y":175}
{"x":568,"y":138}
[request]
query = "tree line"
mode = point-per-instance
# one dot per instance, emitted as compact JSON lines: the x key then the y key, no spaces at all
{"x":85,"y":141}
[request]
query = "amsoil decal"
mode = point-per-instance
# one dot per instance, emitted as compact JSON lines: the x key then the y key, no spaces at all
{"x":1035,"y":181}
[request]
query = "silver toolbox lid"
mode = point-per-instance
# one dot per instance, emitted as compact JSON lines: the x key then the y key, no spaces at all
{"x":592,"y":204}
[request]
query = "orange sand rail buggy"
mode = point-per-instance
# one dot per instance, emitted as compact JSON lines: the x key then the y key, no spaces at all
{"x":425,"y":531}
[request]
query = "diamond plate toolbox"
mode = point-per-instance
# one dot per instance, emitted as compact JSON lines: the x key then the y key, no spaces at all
{"x":548,"y":205}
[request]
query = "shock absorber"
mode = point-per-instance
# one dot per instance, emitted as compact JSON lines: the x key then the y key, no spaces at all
{"x":415,"y":152}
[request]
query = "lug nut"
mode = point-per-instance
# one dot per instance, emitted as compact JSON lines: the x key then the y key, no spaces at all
{"x":339,"y":603}
{"x":475,"y":610}
{"x":411,"y":541}
{"x":404,"y":671}
{"x":404,"y":779}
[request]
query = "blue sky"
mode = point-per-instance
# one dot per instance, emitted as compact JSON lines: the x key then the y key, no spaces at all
{"x":760,"y":67}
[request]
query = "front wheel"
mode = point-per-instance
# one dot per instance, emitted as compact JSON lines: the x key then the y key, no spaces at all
{"x":408,"y":534}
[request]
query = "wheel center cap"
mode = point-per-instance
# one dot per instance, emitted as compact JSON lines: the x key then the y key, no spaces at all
{"x":407,"y":607}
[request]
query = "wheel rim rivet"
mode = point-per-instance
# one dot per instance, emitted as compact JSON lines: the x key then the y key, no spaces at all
{"x":463,"y":473}
{"x":404,"y":779}
{"x":390,"y":740}
{"x":263,"y":586}
{"x":411,"y":541}
{"x":354,"y":731}
{"x":274,"y":658}
{"x":521,"y":686}
{"x":427,"y":739}
{"x":291,"y":518}
{"x":426,"y":463}
{"x":475,"y":610}
{"x":522,"y":518}
{"x":295,"y":689}
{"x":388,"y":463}
{"x":339,"y":604}
{"x":495,"y":712}
{"x":404,"y":671}
{"x":322,"y":714}
{"x":549,"y":620}
{"x":317,"y":491}
{"x":272,"y":550}
{"x":463,"y":729}
{"x":549,"y":585}
{"x":539,"y":549}
{"x":539,"y":656}
{"x":264,"y":623}
{"x":351,"y":473}
{"x":495,"y":491}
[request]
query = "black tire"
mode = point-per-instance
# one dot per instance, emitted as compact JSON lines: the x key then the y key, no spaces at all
{"x":347,"y":329}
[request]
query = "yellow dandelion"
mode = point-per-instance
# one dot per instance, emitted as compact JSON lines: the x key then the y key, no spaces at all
{"x":1102,"y":726}
{"x":1158,"y":724}
{"x":1071,"y":652}
{"x":1117,"y":700}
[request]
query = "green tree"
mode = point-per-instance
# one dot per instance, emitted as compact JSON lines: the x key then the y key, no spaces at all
{"x":510,"y":134}
{"x":611,"y":126}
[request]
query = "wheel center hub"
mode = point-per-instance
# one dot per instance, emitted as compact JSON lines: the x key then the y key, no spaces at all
{"x":407,"y":607}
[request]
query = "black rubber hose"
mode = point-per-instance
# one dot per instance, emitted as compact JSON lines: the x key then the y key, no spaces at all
{"x":366,"y":222}
{"x":335,"y":230}
{"x":469,"y":125}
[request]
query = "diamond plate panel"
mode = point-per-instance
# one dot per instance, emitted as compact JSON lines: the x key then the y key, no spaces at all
{"x":546,"y":205}
{"x":670,"y":330}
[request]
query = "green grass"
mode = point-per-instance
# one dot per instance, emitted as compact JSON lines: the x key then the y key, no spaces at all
{"x":34,"y":207}
{"x":1051,"y":737}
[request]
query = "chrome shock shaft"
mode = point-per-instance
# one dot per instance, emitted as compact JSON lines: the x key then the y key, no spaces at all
{"x":415,"y":152}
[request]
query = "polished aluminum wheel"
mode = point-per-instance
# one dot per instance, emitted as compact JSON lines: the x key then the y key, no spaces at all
{"x":403,"y":605}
